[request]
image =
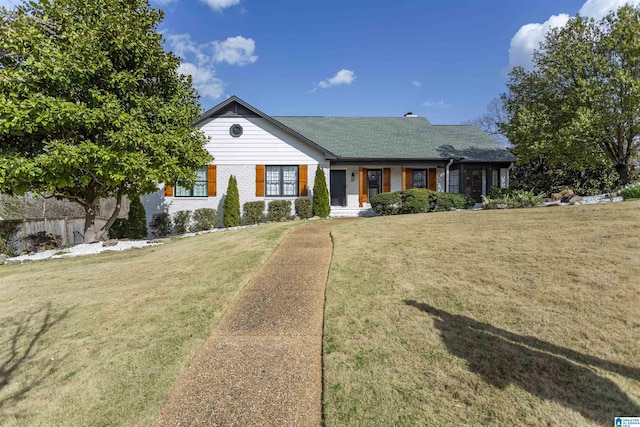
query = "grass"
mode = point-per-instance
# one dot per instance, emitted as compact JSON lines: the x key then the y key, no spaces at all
{"x":519,"y":317}
{"x":100,"y":340}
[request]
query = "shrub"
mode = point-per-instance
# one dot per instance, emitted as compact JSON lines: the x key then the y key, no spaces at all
{"x":118,"y":229}
{"x":253,"y":212}
{"x":231,"y":205}
{"x":8,"y":231}
{"x":161,"y":224}
{"x":136,"y":220}
{"x":303,"y":208}
{"x":134,"y":226}
{"x":43,"y":241}
{"x":513,"y":199}
{"x":386,"y":203}
{"x":417,"y":200}
{"x":321,"y":204}
{"x":446,"y":201}
{"x":631,"y":191}
{"x":279,"y":210}
{"x":205,"y":219}
{"x":181,"y":222}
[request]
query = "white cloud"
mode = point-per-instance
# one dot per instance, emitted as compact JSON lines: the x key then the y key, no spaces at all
{"x":342,"y":77}
{"x":204,"y":80}
{"x":199,"y":60}
{"x":529,"y":36}
{"x":416,"y":83}
{"x":236,"y":51}
{"x":435,"y":104}
{"x":218,"y":5}
{"x":598,"y":9}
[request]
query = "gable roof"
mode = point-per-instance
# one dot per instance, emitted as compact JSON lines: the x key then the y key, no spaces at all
{"x":381,"y":138}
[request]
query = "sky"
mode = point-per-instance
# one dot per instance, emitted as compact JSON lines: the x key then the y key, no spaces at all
{"x":444,"y":60}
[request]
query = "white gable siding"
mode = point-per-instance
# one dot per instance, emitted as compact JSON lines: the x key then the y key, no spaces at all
{"x":260,"y":143}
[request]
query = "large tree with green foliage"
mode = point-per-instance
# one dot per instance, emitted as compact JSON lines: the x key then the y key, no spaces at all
{"x":580,"y":105}
{"x":91,"y":106}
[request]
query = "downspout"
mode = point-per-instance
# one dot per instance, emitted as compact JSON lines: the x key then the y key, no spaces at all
{"x":446,"y":174}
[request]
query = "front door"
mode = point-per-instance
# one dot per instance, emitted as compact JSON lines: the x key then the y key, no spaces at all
{"x":338,"y":181}
{"x":374,"y":178}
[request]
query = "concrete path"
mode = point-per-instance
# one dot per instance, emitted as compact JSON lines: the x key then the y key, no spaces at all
{"x":263,"y":363}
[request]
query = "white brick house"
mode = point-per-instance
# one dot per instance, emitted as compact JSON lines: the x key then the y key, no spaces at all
{"x":275,"y":158}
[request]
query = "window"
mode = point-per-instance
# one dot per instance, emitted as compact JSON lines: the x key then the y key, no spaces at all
{"x":419,"y":178}
{"x":281,"y":181}
{"x":200,"y":187}
{"x":454,"y":181}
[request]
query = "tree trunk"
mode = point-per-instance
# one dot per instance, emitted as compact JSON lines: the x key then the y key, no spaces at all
{"x":90,"y":231}
{"x":623,"y":172}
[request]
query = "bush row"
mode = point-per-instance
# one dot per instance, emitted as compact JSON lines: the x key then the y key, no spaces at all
{"x":418,"y":200}
{"x":202,"y":219}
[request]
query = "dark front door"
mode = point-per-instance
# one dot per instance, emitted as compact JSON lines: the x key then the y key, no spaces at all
{"x":338,"y":188}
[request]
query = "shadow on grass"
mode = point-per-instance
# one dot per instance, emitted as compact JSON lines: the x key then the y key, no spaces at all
{"x":19,"y":348}
{"x":543,"y":369}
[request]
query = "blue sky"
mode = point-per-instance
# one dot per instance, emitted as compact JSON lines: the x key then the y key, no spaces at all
{"x":444,"y":60}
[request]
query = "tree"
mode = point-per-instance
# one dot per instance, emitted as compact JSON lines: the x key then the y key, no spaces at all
{"x":321,"y":206}
{"x":231,"y":204}
{"x":91,"y":106}
{"x":580,"y":106}
{"x":491,"y":122}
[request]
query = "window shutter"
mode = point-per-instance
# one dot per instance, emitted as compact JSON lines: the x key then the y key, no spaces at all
{"x":408,"y":181}
{"x":363,"y":185}
{"x":168,"y":191}
{"x":259,"y":180}
{"x":303,"y":187}
{"x":386,"y":180}
{"x":432,"y":179}
{"x":211,"y":181}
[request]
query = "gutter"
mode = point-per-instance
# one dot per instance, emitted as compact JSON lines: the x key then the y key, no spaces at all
{"x":446,"y":174}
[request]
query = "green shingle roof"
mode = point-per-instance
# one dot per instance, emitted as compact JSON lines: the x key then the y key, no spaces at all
{"x":397,"y":138}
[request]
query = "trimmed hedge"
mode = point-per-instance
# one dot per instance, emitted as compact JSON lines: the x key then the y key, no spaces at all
{"x":205,"y":219}
{"x":303,"y":208}
{"x":418,"y":200}
{"x":132,"y":227}
{"x":279,"y":210}
{"x":181,"y":222}
{"x":253,"y":212}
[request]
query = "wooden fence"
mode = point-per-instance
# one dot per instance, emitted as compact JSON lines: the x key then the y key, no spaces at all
{"x":70,"y":230}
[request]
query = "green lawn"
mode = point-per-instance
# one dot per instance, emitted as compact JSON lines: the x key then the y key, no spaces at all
{"x":517,"y":317}
{"x":100,"y":340}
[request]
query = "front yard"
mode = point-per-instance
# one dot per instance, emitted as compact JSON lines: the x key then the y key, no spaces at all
{"x":518,"y":317}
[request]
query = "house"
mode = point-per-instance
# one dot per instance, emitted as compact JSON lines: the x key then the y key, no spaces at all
{"x":276,"y":158}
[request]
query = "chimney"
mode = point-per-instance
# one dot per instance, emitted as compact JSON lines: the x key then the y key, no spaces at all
{"x":410,"y":114}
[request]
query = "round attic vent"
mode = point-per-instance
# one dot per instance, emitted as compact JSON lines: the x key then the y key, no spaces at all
{"x":235,"y":130}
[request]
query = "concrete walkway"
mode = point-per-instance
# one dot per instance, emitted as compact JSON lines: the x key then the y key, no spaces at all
{"x":263,"y":363}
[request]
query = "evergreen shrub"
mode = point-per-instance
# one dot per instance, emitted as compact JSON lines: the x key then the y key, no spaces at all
{"x":231,"y":205}
{"x":279,"y":210}
{"x":303,"y":206}
{"x":321,"y":204}
{"x":205,"y":219}
{"x":161,"y":225}
{"x":253,"y":212}
{"x":181,"y":222}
